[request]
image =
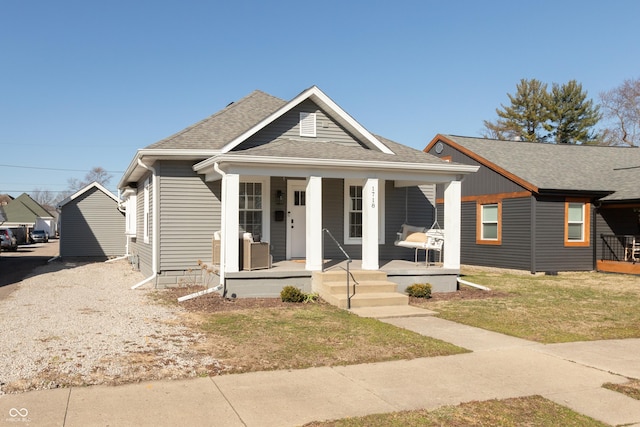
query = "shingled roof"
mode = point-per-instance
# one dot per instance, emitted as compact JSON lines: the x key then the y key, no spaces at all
{"x":564,"y":167}
{"x":217,"y":130}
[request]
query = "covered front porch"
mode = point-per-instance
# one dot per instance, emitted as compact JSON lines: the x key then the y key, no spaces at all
{"x":619,"y":254}
{"x":269,"y":282}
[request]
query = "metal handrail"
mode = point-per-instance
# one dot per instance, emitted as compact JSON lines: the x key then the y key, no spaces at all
{"x":348,"y":259}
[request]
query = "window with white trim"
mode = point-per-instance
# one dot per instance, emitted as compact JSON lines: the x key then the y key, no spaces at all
{"x":490,"y":222}
{"x":147,"y":214}
{"x":130,"y":215}
{"x":250,"y":207}
{"x":575,"y":222}
{"x":307,"y":124}
{"x":353,"y":211}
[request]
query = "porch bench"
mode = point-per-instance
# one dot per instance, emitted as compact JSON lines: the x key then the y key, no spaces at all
{"x":420,"y":238}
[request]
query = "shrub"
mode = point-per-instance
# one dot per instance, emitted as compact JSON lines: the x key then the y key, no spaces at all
{"x":292,"y":294}
{"x":419,"y":290}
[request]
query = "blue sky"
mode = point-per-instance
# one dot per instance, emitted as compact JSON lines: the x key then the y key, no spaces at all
{"x":86,"y":83}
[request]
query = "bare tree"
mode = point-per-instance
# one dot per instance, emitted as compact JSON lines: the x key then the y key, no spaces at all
{"x":45,"y":198}
{"x":621,"y":106}
{"x":97,"y":174}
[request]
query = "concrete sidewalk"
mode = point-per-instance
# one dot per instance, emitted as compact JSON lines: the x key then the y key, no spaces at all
{"x":499,"y":367}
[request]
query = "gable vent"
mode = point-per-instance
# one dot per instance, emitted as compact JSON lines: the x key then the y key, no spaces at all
{"x":307,"y":124}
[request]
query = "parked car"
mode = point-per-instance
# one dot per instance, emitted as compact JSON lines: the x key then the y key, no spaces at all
{"x":39,"y":236}
{"x":9,"y":242}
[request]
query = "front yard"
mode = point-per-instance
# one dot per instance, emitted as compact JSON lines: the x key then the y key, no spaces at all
{"x":548,"y":309}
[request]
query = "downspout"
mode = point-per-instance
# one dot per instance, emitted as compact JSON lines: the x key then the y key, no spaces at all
{"x":126,"y":246}
{"x":154,"y":224}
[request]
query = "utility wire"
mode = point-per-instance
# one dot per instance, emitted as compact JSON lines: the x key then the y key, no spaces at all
{"x":54,"y":169}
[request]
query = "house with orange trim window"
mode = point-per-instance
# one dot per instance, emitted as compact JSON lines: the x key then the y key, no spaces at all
{"x":547,"y":207}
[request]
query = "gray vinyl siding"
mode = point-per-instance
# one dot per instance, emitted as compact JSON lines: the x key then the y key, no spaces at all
{"x":410,"y":205}
{"x":287,"y":127}
{"x":140,"y":250}
{"x":515,"y":250}
{"x":278,"y":231}
{"x":551,"y":254}
{"x":189,"y":215}
{"x":92,"y":226}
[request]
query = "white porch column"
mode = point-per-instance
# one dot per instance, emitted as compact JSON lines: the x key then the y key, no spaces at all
{"x":452,"y":218}
{"x":370,"y":227}
{"x":314,"y":224}
{"x":230,"y":224}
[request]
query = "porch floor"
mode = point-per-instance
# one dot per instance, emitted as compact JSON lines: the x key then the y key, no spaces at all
{"x":623,"y":267}
{"x":296,"y":268}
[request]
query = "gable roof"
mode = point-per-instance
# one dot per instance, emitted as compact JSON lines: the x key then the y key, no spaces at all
{"x":217,"y":130}
{"x":217,"y":136}
{"x":23,"y":209}
{"x":327,"y":105}
{"x":541,"y":167}
{"x":86,"y":189}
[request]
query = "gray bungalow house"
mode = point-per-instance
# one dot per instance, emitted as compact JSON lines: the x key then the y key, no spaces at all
{"x":269,"y":176}
{"x":547,"y":207}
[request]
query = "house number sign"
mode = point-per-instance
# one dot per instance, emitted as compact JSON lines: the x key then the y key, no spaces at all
{"x":373,"y":197}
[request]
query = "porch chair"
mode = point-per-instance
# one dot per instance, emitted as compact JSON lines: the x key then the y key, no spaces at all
{"x":632,"y":252}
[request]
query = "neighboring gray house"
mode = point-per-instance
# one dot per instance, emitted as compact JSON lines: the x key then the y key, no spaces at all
{"x":547,"y":207}
{"x":283,"y":170}
{"x":91,"y":224}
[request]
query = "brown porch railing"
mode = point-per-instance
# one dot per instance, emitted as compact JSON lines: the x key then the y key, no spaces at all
{"x":615,"y":247}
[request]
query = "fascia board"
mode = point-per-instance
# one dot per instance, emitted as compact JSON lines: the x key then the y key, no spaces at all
{"x":84,"y":190}
{"x":485,"y":162}
{"x":446,"y":168}
{"x":324,"y":101}
{"x":163,"y":154}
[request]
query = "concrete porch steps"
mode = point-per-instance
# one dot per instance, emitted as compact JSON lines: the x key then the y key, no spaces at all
{"x":372,"y":289}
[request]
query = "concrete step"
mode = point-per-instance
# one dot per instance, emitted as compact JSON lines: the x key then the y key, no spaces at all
{"x":340,"y":275}
{"x":383,"y":299}
{"x":375,"y":286}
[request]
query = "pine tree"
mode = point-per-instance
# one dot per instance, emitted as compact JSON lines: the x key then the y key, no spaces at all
{"x":572,"y":116}
{"x":525,"y":118}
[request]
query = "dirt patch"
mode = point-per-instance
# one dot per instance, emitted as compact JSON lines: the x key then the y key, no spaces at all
{"x":214,"y":302}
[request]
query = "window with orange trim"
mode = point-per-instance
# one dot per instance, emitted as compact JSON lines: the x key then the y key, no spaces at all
{"x":577,"y":227}
{"x":489,"y":223}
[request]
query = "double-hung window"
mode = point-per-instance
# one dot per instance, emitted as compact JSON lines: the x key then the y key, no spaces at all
{"x":354,"y":214}
{"x":576,"y":224}
{"x":489,"y":223}
{"x":250,"y":207}
{"x":355,"y":211}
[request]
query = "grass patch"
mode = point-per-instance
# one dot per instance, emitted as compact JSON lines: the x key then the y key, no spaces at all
{"x":534,"y":411}
{"x":549,"y":309}
{"x":308,"y":335}
{"x":631,"y":389}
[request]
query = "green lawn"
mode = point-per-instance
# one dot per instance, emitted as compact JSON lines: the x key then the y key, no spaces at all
{"x":549,"y":309}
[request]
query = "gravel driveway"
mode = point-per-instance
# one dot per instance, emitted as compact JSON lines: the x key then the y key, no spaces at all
{"x":76,"y":324}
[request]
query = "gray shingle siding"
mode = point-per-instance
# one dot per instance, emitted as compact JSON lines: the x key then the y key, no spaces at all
{"x":92,"y":226}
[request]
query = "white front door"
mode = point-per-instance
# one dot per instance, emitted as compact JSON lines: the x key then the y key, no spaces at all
{"x":296,"y":218}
